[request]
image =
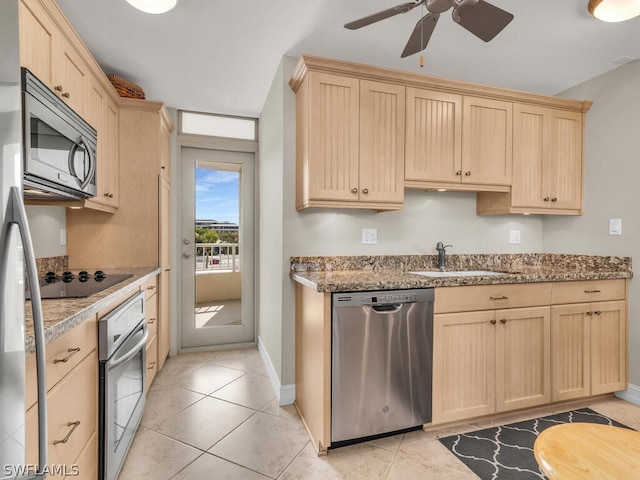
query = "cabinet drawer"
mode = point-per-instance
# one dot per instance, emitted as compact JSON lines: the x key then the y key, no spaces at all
{"x":491,"y":297}
{"x":152,"y":361}
{"x":74,"y":399}
{"x":151,"y":315}
{"x":62,"y":355}
{"x":589,"y":291}
{"x":150,"y":287}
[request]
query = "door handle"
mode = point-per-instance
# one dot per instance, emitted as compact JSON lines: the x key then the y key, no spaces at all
{"x":186,"y":255}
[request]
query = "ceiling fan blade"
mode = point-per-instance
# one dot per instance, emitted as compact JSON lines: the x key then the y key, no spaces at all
{"x":376,"y":17}
{"x":421,"y":34}
{"x":483,"y":19}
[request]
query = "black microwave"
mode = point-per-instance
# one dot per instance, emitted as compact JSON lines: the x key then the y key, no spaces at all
{"x":59,"y":146}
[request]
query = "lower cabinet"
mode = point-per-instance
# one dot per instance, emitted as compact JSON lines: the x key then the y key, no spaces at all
{"x":151,"y":314}
{"x":72,"y":410}
{"x":490,"y":361}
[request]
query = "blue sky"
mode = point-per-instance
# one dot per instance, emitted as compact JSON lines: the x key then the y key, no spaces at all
{"x":217,"y":195}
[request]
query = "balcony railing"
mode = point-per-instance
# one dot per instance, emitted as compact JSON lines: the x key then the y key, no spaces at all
{"x":222,"y":257}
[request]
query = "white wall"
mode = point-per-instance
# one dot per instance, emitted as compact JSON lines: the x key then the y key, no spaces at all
{"x":612,"y":169}
{"x":45,"y":224}
{"x":426,"y":218}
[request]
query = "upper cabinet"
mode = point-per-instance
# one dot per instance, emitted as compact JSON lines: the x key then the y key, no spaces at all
{"x":350,"y":143}
{"x":361,"y":130}
{"x":547,"y":164}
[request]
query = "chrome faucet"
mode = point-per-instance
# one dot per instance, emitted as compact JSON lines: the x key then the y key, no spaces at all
{"x":442,"y":255}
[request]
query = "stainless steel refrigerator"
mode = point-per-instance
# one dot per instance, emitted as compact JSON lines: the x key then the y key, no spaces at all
{"x":17,"y":266}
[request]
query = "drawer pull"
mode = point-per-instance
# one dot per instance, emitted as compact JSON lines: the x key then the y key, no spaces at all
{"x":493,"y":322}
{"x":589,"y":313}
{"x":597,"y":312}
{"x":151,"y":287}
{"x":151,"y":366}
{"x":151,"y":321}
{"x":71,"y":351}
{"x":592,"y":291}
{"x":73,"y":426}
{"x":504,"y":297}
{"x":503,"y":321}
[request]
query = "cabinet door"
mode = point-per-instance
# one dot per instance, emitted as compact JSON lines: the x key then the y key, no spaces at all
{"x":523,"y":363}
{"x":463,"y":365}
{"x":564,"y":169}
{"x":38,"y":40}
{"x":332,"y":164}
{"x":381,"y":155}
{"x":570,"y":365}
{"x":433,"y":136}
{"x":72,"y":77}
{"x":608,"y":327}
{"x":165,"y":151}
{"x":164,"y":317}
{"x":530,"y":146}
{"x":111,"y":160}
{"x":487,"y":127}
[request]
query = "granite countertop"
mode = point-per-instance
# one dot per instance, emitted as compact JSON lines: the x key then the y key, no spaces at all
{"x":61,"y":315}
{"x":363,"y":273}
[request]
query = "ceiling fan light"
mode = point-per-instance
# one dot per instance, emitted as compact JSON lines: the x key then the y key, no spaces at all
{"x":153,"y":6}
{"x":614,"y":10}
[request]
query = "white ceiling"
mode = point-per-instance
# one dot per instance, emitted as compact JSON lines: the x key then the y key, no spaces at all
{"x":221,"y":56}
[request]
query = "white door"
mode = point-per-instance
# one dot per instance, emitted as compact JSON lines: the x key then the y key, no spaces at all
{"x":217,"y":258}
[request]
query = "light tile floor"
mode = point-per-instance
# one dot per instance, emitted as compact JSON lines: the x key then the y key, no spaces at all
{"x":213,"y":416}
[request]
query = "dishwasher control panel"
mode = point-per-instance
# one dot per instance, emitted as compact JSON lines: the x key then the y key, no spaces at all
{"x":382,"y":297}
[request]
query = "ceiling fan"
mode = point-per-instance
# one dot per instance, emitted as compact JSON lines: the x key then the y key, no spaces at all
{"x":481,"y":18}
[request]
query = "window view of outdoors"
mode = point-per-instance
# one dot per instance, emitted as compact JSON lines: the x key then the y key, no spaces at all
{"x":218,"y":258}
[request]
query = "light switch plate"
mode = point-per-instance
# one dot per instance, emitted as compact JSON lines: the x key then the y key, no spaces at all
{"x":615,"y":226}
{"x":514,"y":237}
{"x":369,"y":236}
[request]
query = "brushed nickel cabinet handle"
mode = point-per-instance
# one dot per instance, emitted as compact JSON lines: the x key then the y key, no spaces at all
{"x":167,"y":269}
{"x":597,"y":312}
{"x":151,"y":321}
{"x":499,"y":298}
{"x":467,"y":174}
{"x":66,"y":95}
{"x":365,"y":191}
{"x":151,"y":366}
{"x":163,"y":167}
{"x":71,"y":351}
{"x":503,"y":321}
{"x":554,"y":199}
{"x":493,"y":322}
{"x":58,"y":88}
{"x":151,"y":287}
{"x":546,"y":199}
{"x":354,"y":190}
{"x":459,"y":172}
{"x":592,"y":291}
{"x":73,"y":426}
{"x":589,"y":313}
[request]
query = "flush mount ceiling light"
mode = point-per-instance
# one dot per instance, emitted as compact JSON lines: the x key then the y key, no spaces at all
{"x":614,"y":10}
{"x":153,"y":6}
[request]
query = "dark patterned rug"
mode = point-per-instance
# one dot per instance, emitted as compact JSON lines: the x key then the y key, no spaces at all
{"x":506,"y":452}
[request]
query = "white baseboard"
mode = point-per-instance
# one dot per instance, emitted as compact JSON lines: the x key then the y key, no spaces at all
{"x":285,"y":394}
{"x":631,"y":394}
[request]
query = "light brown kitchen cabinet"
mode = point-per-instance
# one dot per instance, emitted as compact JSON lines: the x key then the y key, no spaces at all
{"x":490,"y":361}
{"x":547,"y":164}
{"x":589,"y":340}
{"x":72,"y":401}
{"x":164,"y":295}
{"x":51,"y":56}
{"x":151,"y":317}
{"x":350,"y":143}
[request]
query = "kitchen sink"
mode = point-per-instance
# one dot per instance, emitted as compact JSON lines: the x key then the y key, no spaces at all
{"x":460,"y":273}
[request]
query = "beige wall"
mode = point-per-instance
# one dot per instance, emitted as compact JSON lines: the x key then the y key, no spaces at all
{"x":215,"y":286}
{"x":612,"y":169}
{"x":45,"y":224}
{"x":426,"y":218}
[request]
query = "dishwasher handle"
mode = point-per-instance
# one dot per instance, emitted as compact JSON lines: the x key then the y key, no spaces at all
{"x":390,"y":308}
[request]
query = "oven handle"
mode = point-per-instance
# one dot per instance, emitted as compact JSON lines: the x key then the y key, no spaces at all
{"x":132,"y":352}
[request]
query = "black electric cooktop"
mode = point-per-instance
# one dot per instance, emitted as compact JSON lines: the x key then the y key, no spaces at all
{"x":76,"y":285}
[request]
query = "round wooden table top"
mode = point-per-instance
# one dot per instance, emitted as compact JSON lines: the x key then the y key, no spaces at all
{"x":584,"y":451}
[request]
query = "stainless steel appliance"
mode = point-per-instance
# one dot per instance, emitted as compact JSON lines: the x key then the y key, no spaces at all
{"x":381,"y":363}
{"x":59,"y":146}
{"x":77,"y":285}
{"x":16,"y":256}
{"x":122,"y":337}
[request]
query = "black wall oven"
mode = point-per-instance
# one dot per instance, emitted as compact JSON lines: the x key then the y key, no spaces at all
{"x":59,"y":146}
{"x":122,"y":337}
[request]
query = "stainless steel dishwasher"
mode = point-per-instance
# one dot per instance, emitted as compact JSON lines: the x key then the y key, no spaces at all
{"x":381,"y":363}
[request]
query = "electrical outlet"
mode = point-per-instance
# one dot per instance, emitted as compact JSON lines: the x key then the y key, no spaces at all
{"x":369,"y":236}
{"x":514,"y":237}
{"x":615,"y":226}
